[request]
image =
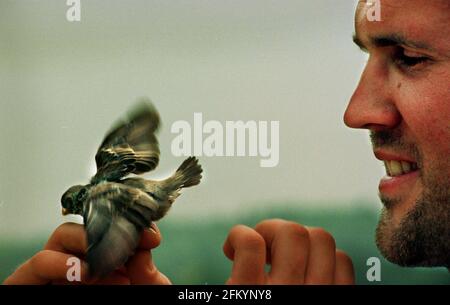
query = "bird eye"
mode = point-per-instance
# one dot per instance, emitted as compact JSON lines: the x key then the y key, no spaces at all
{"x":81,"y":194}
{"x":67,"y":203}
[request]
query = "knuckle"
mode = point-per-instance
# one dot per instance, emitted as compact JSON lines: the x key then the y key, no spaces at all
{"x":345,"y":261}
{"x":254,"y":241}
{"x":38,"y":260}
{"x":270,"y":223}
{"x":322,"y":236}
{"x":237,"y":230}
{"x":62,"y":229}
{"x":343,"y":257}
{"x":294,"y":229}
{"x":249,"y":238}
{"x":59,"y":230}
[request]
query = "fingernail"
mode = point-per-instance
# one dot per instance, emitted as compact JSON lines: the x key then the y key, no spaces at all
{"x":152,"y":228}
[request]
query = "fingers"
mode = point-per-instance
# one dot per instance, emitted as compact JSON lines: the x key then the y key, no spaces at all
{"x":297,"y":254}
{"x":45,"y":267}
{"x":142,"y":271}
{"x":248,"y":251}
{"x":140,"y":268}
{"x":344,"y":272}
{"x":71,"y":238}
{"x":322,"y":258}
{"x":50,"y":265}
{"x":68,"y":238}
{"x":150,"y":238}
{"x":289,"y":248}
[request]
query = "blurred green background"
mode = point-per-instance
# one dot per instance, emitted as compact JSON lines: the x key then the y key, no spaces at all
{"x":191,"y":252}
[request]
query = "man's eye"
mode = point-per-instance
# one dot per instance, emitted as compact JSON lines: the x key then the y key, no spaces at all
{"x":404,"y":60}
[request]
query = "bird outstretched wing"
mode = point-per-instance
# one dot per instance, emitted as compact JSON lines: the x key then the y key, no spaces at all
{"x":114,"y":216}
{"x":130,"y":146}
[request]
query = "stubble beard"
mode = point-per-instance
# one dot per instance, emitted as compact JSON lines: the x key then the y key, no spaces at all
{"x":422,"y":236}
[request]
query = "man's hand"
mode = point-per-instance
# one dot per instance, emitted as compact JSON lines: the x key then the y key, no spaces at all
{"x":49,"y":265}
{"x":297,"y":255}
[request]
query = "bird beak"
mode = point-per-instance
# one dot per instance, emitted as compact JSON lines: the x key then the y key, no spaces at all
{"x":65,"y":211}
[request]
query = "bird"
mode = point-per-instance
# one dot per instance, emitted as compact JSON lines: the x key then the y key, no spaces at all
{"x":115,"y":207}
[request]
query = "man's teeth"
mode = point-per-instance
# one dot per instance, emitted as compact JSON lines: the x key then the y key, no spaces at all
{"x":397,"y":168}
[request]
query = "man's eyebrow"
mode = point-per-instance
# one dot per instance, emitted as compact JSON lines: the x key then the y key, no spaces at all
{"x":391,"y":40}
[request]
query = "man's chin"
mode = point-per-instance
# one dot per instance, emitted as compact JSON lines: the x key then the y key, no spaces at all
{"x":415,"y":234}
{"x":385,"y":232}
{"x":395,"y":210}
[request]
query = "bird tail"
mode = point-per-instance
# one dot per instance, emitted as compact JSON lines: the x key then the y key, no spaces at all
{"x":188,"y":174}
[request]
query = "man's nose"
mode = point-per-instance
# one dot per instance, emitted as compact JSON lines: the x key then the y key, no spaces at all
{"x":373,"y":105}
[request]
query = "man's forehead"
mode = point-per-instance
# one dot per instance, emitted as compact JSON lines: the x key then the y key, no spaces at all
{"x":424,"y":21}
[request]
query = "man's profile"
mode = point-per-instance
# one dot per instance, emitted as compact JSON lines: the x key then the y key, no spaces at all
{"x":403,"y":99}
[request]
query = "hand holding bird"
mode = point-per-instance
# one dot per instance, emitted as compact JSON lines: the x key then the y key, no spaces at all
{"x":49,"y":266}
{"x":116,"y":209}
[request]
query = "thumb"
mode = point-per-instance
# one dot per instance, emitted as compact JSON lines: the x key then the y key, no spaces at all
{"x":150,"y":238}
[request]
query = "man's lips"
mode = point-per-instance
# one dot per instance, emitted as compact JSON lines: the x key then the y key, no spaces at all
{"x":396,"y":164}
{"x":386,"y":155}
{"x":398,"y":185}
{"x":402,"y":172}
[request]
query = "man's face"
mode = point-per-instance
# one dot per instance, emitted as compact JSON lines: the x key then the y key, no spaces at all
{"x":403,"y":98}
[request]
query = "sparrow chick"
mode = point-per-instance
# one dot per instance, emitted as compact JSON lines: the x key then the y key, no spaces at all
{"x":116,"y":209}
